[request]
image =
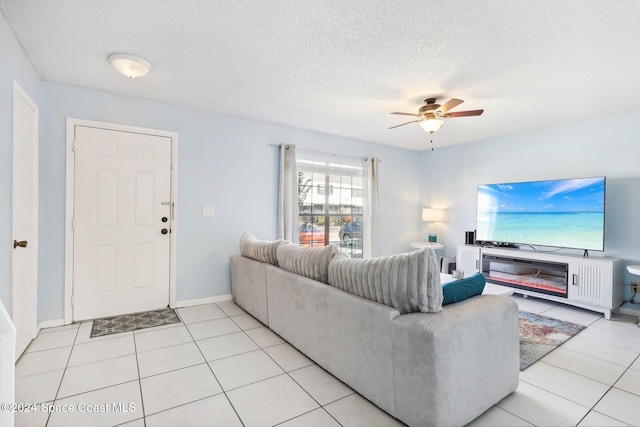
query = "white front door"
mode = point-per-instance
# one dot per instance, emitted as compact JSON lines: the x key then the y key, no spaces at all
{"x":24,"y":261}
{"x":121,"y":222}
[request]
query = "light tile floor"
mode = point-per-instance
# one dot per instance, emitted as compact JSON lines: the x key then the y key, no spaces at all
{"x":221,"y":367}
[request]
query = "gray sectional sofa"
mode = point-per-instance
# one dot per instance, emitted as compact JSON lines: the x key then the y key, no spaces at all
{"x":426,"y":366}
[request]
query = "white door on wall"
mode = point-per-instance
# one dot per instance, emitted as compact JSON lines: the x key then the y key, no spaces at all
{"x":121,"y":222}
{"x":24,"y":261}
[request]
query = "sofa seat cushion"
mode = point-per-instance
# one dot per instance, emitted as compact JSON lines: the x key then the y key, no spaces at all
{"x":462,"y":289}
{"x":259,"y":250}
{"x":408,"y":282}
{"x":311,"y":262}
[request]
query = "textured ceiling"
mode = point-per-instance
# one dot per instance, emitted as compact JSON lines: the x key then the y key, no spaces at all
{"x":341,"y":67}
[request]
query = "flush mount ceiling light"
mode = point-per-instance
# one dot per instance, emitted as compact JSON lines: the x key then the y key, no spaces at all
{"x":130,"y":65}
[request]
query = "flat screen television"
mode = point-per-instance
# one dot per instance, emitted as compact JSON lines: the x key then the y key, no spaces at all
{"x":564,"y":213}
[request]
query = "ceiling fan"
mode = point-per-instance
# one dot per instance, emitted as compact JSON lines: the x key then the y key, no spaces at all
{"x":431,"y":115}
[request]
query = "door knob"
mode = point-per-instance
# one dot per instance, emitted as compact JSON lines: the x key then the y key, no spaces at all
{"x":164,"y":231}
{"x":22,"y":244}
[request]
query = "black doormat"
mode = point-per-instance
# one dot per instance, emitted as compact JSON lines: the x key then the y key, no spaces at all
{"x":131,"y":322}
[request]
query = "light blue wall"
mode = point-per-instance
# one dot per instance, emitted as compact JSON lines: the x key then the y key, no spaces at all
{"x":224,"y":162}
{"x":607,"y":146}
{"x":228,"y":163}
{"x":14,"y":64}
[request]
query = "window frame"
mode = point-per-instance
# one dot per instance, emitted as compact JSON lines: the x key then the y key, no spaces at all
{"x":331,"y":212}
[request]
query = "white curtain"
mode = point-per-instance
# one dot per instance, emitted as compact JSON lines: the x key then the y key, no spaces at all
{"x":288,"y":195}
{"x":370,"y":226}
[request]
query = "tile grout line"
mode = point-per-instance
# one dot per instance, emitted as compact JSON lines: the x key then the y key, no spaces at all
{"x":260,"y":348}
{"x":288,"y":373}
{"x":63,"y":373}
{"x":101,"y":360}
{"x":284,"y":372}
{"x":578,"y":374}
{"x":609,"y":390}
{"x":627,"y":369}
{"x":609,"y":344}
{"x":509,"y":412}
{"x":564,"y":397}
{"x":211,"y":369}
{"x":585,"y":355}
{"x":135,"y":348}
{"x":320,"y":405}
{"x":610,"y":387}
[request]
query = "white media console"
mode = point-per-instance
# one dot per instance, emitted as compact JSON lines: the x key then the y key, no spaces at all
{"x":592,"y":283}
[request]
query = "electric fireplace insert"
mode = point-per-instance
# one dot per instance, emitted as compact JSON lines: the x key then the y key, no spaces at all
{"x":544,"y":277}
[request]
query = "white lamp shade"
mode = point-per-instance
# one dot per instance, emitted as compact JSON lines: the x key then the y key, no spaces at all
{"x":430,"y":214}
{"x":431,"y":125}
{"x":129,"y":65}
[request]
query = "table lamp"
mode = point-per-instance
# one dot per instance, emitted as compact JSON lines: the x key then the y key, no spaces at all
{"x":433,"y":215}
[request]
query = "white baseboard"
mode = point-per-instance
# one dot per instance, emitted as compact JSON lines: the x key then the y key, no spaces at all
{"x":187,"y":303}
{"x":630,"y":309}
{"x":207,"y":300}
{"x":50,"y":324}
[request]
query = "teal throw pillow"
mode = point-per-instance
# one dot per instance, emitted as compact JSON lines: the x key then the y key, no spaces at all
{"x":461,"y":289}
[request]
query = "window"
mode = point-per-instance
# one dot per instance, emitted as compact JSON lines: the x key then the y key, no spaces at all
{"x":321,"y":190}
{"x":330,"y":205}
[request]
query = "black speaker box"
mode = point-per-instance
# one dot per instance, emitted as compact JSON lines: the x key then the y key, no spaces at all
{"x":470,"y":238}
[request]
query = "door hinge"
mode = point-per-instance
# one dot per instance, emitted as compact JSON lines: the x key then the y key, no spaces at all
{"x":73,"y":300}
{"x":73,"y":223}
{"x":73,"y":146}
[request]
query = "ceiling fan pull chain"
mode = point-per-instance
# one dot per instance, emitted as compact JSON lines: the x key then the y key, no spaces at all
{"x":431,"y":142}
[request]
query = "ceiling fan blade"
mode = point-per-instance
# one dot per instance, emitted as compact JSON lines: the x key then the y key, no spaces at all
{"x":453,"y":102}
{"x":463,"y":114}
{"x":407,"y":114}
{"x":412,"y":121}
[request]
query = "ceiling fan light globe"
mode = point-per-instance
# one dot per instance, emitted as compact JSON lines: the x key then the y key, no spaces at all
{"x":431,"y":125}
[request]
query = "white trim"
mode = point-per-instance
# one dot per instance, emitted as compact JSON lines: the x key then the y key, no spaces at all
{"x":68,"y":249}
{"x":50,"y":324}
{"x":34,"y":240}
{"x":630,"y":309}
{"x":7,"y":364}
{"x":207,"y":300}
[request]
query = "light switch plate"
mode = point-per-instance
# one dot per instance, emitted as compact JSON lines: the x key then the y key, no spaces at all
{"x":207,"y":211}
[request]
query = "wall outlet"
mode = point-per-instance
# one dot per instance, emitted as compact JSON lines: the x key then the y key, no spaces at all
{"x":207,"y":211}
{"x":634,"y":286}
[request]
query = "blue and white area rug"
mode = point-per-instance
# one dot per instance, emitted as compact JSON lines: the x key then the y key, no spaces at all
{"x":539,"y":335}
{"x":131,"y":322}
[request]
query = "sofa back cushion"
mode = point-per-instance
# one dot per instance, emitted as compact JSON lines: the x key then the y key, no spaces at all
{"x":260,"y":250}
{"x":408,"y":282}
{"x":311,"y":262}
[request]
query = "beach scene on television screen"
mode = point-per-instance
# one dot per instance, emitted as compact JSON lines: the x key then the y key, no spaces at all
{"x":562,"y":213}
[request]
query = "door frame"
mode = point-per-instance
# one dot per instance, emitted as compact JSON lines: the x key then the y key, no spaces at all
{"x":69,"y":210}
{"x":18,"y":91}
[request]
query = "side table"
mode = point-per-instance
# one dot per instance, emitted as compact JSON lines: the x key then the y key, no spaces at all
{"x":437,"y":247}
